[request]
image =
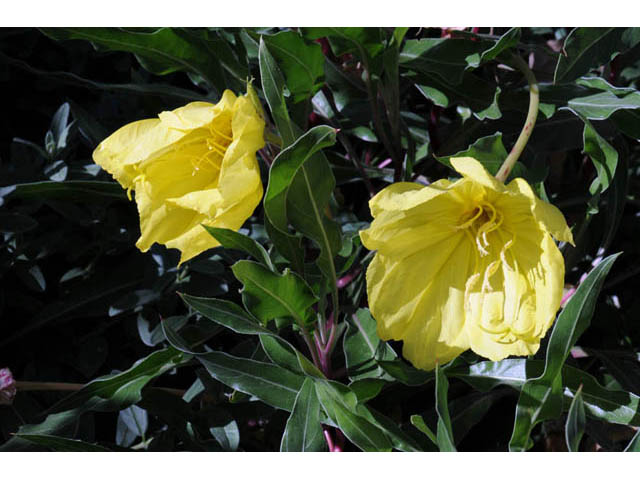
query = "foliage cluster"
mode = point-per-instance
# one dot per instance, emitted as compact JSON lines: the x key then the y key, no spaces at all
{"x":211,"y":355}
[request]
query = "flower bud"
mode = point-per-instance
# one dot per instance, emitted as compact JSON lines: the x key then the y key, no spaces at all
{"x":7,"y":387}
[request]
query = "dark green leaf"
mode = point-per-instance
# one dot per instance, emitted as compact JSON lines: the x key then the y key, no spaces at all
{"x":161,"y":52}
{"x":576,"y":421}
{"x":16,"y":223}
{"x":303,"y":432}
{"x":116,"y":392}
{"x":418,"y":422}
{"x":365,"y":41}
{"x":63,"y":423}
{"x":269,"y":295}
{"x":232,"y":239}
{"x":272,"y":384}
{"x":61,"y":444}
{"x":634,"y":444}
{"x":405,"y":373}
{"x":80,"y":191}
{"x":446,"y":57}
{"x":602,"y":105}
{"x":509,"y":40}
{"x":490,"y":152}
{"x":339,"y":404}
{"x":273,"y":85}
{"x":301,"y":62}
{"x":603,"y":156}
{"x":588,"y":47}
{"x":444,"y":435}
{"x":541,"y":398}
{"x":360,"y":346}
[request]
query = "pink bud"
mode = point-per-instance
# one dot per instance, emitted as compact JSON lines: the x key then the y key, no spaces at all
{"x":7,"y":387}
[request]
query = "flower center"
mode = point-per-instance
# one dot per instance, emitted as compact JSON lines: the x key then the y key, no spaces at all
{"x":216,"y":143}
{"x":479,"y":222}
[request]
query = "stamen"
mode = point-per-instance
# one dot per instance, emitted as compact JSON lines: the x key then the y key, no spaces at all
{"x":218,"y":132}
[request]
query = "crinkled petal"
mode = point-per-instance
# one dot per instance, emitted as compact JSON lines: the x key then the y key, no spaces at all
{"x":120,"y":153}
{"x":411,"y":217}
{"x":197,"y":114}
{"x":548,"y":215}
{"x":420,"y":300}
{"x":525,"y":292}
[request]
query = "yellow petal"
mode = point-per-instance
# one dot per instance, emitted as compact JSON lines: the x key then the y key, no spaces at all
{"x":197,"y":114}
{"x":411,"y":217}
{"x":119,"y":153}
{"x":470,"y":168}
{"x":420,"y":300}
{"x":548,"y":215}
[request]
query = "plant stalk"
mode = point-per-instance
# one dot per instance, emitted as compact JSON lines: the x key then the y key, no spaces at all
{"x":532,"y":115}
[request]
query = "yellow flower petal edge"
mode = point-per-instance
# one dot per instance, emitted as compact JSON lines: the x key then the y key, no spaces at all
{"x":193,"y":166}
{"x":469,"y":264}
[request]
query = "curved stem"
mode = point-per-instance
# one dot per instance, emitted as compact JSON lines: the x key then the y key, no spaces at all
{"x":532,"y":114}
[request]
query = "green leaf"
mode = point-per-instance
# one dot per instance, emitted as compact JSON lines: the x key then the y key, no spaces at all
{"x":610,"y":405}
{"x":444,"y":435}
{"x":418,"y":422}
{"x":446,"y":57}
{"x":472,"y":92}
{"x":602,"y":105}
{"x":508,"y":40}
{"x":634,"y":444}
{"x":76,"y":190}
{"x":603,"y":156}
{"x":541,"y":398}
{"x":230,"y":315}
{"x":405,"y":373}
{"x":303,"y":432}
{"x":588,"y":47}
{"x":269,"y":295}
{"x":227,"y":314}
{"x":301,"y":62}
{"x":490,"y":152}
{"x":576,"y":421}
{"x":63,"y":423}
{"x":365,"y":41}
{"x":161,"y":52}
{"x":339,"y":404}
{"x":231,"y":239}
{"x":273,"y":85}
{"x":286,"y":166}
{"x":274,"y":385}
{"x":117,"y":392}
{"x":360,"y":346}
{"x":61,"y":444}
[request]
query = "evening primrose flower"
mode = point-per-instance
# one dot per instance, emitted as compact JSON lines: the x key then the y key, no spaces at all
{"x":7,"y":387}
{"x":464,"y":264}
{"x":193,"y":166}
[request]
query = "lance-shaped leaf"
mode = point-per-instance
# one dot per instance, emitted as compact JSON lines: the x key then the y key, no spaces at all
{"x":360,"y":346}
{"x":61,"y":444}
{"x":541,"y":398}
{"x":230,"y":315}
{"x":610,"y":405}
{"x":286,"y":166}
{"x":269,"y":295}
{"x":339,"y":404}
{"x":634,"y":444}
{"x":603,"y":156}
{"x":161,"y":51}
{"x":446,"y":57}
{"x":576,"y":421}
{"x":444,"y":435}
{"x":508,"y":40}
{"x":588,"y":47}
{"x":602,"y":105}
{"x":303,"y":432}
{"x":301,"y":62}
{"x":116,"y":392}
{"x":232,"y":239}
{"x":273,"y":86}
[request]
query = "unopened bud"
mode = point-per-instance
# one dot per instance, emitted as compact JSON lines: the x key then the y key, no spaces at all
{"x":7,"y":387}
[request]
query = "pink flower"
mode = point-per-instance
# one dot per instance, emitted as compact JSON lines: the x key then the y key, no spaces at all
{"x":7,"y":387}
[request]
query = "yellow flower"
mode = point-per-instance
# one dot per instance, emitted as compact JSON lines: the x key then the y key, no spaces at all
{"x":194,"y":165}
{"x":464,"y":264}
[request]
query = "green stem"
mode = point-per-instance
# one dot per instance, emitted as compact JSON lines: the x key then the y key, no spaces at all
{"x":532,"y":115}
